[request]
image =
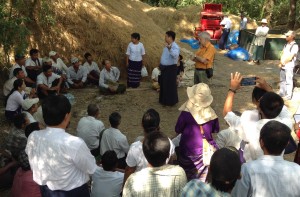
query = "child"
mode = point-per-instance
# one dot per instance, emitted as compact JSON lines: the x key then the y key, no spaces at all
{"x":154,"y":77}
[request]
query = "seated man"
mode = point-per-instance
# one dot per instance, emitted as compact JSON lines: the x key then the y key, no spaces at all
{"x":113,"y":139}
{"x":89,"y":129}
{"x":270,"y":175}
{"x":109,"y":79}
{"x":59,"y":67}
{"x":9,"y":84}
{"x":225,"y":169}
{"x":20,"y":63}
{"x":92,"y":69}
{"x":107,"y":180}
{"x":159,"y":178}
{"x":33,"y":64}
{"x":154,"y":77}
{"x":48,"y":83}
{"x":77,"y":74}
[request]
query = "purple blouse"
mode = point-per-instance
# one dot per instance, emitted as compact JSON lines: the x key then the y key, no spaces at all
{"x":191,"y":137}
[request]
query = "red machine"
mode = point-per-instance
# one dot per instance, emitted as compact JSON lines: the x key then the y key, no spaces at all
{"x":210,"y":19}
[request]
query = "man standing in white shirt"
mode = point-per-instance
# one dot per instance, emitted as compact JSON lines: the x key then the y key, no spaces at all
{"x":89,"y":129}
{"x":61,"y":163}
{"x":270,"y":175}
{"x":226,"y":24}
{"x":113,"y":139}
{"x":107,"y":180}
{"x":259,"y":42}
{"x":33,"y":64}
{"x":92,"y":68}
{"x":287,"y":64}
{"x":77,"y":74}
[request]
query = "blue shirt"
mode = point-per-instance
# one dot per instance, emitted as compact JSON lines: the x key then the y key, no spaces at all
{"x":170,"y":57}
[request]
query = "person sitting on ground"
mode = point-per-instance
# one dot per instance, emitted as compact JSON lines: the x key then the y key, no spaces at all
{"x":15,"y":99}
{"x":270,"y":107}
{"x":159,"y":178}
{"x":113,"y":139}
{"x":107,"y":180}
{"x":89,"y":129}
{"x":59,"y":67}
{"x":48,"y":83}
{"x":109,"y":79}
{"x":270,"y":175}
{"x":155,"y":77}
{"x":180,"y":70}
{"x":33,"y":64}
{"x":20,"y":63}
{"x":70,"y":161}
{"x":9,"y":84}
{"x":136,"y":159}
{"x":225,"y":169}
{"x":92,"y":69}
{"x":77,"y":74}
{"x":30,"y":106}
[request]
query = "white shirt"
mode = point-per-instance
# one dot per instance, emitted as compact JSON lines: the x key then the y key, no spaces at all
{"x":89,"y":129}
{"x":47,"y":81}
{"x":136,"y":157}
{"x":15,"y":101}
{"x":81,"y":74}
{"x":59,"y":160}
{"x":228,"y":137}
{"x":106,"y":183}
{"x":155,"y":74}
{"x":227,"y":22}
{"x":113,"y":139}
{"x":135,"y":51}
{"x":91,"y":67}
{"x":289,"y":49}
{"x":30,"y":117}
{"x":30,"y":62}
{"x":8,"y":86}
{"x":60,"y":65}
{"x":268,"y":176}
{"x":106,"y":76}
{"x":243,"y":24}
{"x":38,"y":116}
{"x":11,"y":74}
{"x":261,"y":35}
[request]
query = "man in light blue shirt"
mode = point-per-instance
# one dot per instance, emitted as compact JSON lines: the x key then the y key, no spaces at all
{"x":168,"y":65}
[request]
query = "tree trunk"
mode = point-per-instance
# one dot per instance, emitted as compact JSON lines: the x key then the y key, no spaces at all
{"x":292,"y":15}
{"x":267,"y":10}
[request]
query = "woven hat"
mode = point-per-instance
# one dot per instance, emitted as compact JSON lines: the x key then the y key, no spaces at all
{"x":27,"y":103}
{"x":74,"y":60}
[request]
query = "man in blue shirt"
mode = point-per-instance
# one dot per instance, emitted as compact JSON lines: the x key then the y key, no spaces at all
{"x":168,"y":65}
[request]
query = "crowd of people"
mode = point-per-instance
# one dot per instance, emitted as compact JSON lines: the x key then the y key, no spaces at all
{"x":246,"y":159}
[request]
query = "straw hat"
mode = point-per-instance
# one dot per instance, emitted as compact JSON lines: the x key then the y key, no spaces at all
{"x":198,"y":104}
{"x":264,"y":21}
{"x":27,"y":103}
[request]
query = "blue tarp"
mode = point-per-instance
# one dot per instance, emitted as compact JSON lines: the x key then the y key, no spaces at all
{"x":238,"y":54}
{"x":192,"y":42}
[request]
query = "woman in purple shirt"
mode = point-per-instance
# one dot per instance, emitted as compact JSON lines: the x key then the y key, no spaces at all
{"x":196,"y":112}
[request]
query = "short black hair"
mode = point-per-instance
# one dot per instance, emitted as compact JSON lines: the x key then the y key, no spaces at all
{"x":136,"y":36}
{"x":33,"y":51}
{"x":46,"y":67}
{"x":275,"y":136}
{"x":55,"y":108}
{"x":180,"y":57}
{"x":109,"y":160}
{"x":86,"y":55}
{"x":156,"y":148}
{"x":115,"y":119}
{"x":257,"y":94}
{"x":151,"y":121}
{"x":19,"y":120}
{"x":225,"y":168}
{"x":35,"y":126}
{"x":16,"y":71}
{"x":92,"y":109}
{"x":271,"y":105}
{"x":171,"y":34}
{"x":18,"y":83}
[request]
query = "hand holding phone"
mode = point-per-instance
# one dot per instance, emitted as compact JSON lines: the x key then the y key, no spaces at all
{"x":248,"y":81}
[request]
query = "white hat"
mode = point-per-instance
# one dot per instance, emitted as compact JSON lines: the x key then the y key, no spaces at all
{"x":52,"y":53}
{"x":27,"y":103}
{"x":264,"y":21}
{"x":199,"y":102}
{"x":74,"y":60}
{"x":289,"y":33}
{"x":46,"y":59}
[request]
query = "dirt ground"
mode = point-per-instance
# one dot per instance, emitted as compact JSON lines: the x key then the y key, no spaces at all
{"x":135,"y":102}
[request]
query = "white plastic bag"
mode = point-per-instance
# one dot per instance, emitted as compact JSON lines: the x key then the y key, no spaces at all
{"x":144,"y":72}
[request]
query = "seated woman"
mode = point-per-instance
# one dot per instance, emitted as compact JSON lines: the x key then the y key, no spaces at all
{"x":15,"y":99}
{"x":109,"y":79}
{"x":196,"y":123}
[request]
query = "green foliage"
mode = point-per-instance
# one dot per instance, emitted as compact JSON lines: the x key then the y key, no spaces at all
{"x":46,"y":14}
